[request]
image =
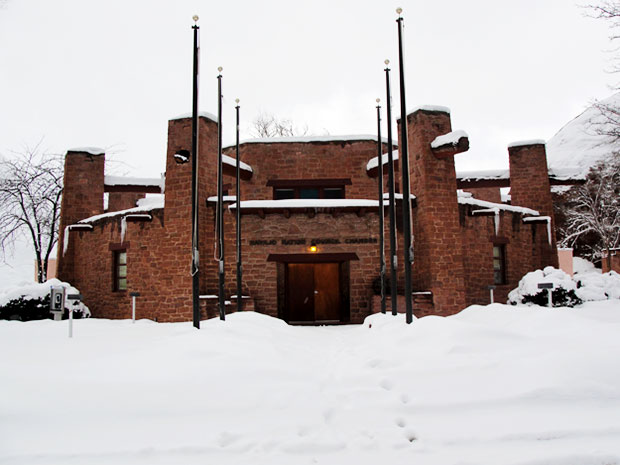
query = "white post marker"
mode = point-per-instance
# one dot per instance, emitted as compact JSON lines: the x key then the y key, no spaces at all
{"x":549,"y":287}
{"x":77,"y":297}
{"x":133,"y":305}
{"x":491,"y":288}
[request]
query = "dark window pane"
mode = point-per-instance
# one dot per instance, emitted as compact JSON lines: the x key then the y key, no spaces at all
{"x":333,"y":193}
{"x":281,"y":194}
{"x":309,"y":193}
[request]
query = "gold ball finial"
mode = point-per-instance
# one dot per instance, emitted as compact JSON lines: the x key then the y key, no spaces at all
{"x":378,"y":100}
{"x":195,"y":18}
{"x":387,"y":62}
{"x":219,"y":69}
{"x":237,"y":101}
{"x":399,"y":10}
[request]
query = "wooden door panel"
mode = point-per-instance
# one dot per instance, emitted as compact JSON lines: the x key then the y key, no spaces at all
{"x":300,"y":291}
{"x":326,"y":291}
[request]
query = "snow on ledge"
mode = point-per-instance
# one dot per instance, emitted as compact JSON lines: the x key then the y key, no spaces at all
{"x":307,"y":139}
{"x":233,"y":162}
{"x":306,"y":203}
{"x":435,"y":108}
{"x":153,"y":205}
{"x":225,"y":198}
{"x":452,"y":138}
{"x":483,"y":174}
{"x":469,"y":200}
{"x":374,"y":162}
{"x":89,"y":150}
{"x":204,"y":114}
{"x":522,"y":143}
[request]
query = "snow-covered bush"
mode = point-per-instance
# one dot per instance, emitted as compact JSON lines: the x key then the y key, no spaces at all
{"x":597,"y":285}
{"x":32,"y":302}
{"x":563,"y":294}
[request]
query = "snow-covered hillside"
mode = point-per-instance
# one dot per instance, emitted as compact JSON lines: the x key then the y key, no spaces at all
{"x":496,"y":384}
{"x":577,"y":146}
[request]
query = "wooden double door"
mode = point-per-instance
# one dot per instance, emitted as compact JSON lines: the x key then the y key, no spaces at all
{"x":314,"y":293}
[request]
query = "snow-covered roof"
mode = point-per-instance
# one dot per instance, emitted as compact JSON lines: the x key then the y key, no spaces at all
{"x":204,"y":114}
{"x":90,"y":150}
{"x":307,"y":139}
{"x":374,"y":162}
{"x":578,"y":146}
{"x":523,"y":143}
{"x":452,"y":138}
{"x":233,"y":162}
{"x":465,"y":198}
{"x":128,"y":181}
{"x":145,"y":207}
{"x":306,"y":203}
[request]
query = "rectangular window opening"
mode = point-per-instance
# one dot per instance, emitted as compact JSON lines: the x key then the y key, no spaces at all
{"x":499,"y":264}
{"x":120,"y":270}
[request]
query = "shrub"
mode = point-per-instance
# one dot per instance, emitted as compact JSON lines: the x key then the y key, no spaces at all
{"x":563,"y":294}
{"x":32,"y":302}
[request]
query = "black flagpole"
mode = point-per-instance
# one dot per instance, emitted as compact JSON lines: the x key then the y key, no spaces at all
{"x":404,"y":156}
{"x":238,"y":211}
{"x":392,"y":205}
{"x":220,"y":200}
{"x":195,"y":253}
{"x":381,"y":211}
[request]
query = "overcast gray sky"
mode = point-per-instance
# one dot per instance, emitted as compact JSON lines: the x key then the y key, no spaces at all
{"x":110,"y":74}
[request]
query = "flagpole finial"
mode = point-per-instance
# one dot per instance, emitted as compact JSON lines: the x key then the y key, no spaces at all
{"x":387,"y":62}
{"x":219,"y":69}
{"x":195,"y":18}
{"x":378,"y":100}
{"x":237,"y":101}
{"x":399,"y":10}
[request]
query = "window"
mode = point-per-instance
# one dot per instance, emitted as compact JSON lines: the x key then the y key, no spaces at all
{"x":309,"y":188}
{"x":499,"y":264}
{"x":120,"y":270}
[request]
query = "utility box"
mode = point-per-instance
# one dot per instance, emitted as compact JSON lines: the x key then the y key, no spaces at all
{"x":57,"y":302}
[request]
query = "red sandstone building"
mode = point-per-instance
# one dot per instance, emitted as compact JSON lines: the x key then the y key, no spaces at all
{"x":296,"y":193}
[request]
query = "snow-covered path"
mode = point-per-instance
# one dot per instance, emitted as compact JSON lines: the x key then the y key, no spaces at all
{"x":491,"y":385}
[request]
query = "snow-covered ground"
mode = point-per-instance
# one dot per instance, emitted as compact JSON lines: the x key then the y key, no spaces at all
{"x":491,"y":385}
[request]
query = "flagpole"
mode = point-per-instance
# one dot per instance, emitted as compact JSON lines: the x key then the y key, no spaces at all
{"x":238,"y":211}
{"x":404,"y":156}
{"x":220,"y":200}
{"x":392,"y":205}
{"x":195,"y":206}
{"x":381,"y":211}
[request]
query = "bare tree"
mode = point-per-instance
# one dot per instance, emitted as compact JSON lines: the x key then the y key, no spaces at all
{"x":267,"y":125}
{"x":30,"y":193}
{"x":592,"y":211}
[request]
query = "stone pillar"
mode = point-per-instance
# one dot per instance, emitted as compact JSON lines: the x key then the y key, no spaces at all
{"x":530,"y":187}
{"x":438,"y":254}
{"x":178,"y":208}
{"x":82,"y":197}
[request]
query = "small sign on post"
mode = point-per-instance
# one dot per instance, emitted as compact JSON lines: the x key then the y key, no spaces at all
{"x":133,"y":296}
{"x":491,"y":289}
{"x":57,"y":302}
{"x":549,"y":287}
{"x":77,"y":298}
